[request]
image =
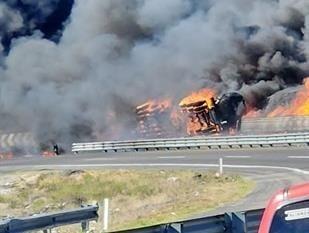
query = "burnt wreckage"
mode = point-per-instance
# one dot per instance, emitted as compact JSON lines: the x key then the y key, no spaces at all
{"x":201,"y":117}
{"x":215,"y":116}
{"x":229,"y":110}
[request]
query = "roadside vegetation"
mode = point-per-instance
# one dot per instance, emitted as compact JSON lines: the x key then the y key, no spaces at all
{"x":137,"y":197}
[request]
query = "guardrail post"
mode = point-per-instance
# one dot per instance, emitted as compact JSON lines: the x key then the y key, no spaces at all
{"x":106,"y":212}
{"x":238,"y":223}
{"x":220,"y":166}
{"x":85,"y":226}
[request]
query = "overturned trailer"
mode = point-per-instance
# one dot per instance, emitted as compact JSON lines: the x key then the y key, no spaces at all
{"x":199,"y":116}
{"x":214,"y":116}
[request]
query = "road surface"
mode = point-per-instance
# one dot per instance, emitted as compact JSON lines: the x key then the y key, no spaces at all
{"x":271,"y":168}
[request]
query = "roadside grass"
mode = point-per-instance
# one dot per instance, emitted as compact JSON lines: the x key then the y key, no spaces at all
{"x":137,"y":197}
{"x":192,"y":196}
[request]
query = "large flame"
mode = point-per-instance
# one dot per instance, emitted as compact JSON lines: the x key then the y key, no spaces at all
{"x":149,"y":113}
{"x":202,"y":100}
{"x":299,"y":105}
{"x":194,"y":112}
{"x":204,"y":94}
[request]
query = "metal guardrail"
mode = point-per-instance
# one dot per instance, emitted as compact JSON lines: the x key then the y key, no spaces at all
{"x":247,"y":221}
{"x":49,"y":221}
{"x":195,"y":142}
{"x":252,"y":220}
{"x":241,"y":222}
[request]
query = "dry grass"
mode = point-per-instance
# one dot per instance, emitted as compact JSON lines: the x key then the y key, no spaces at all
{"x":138,"y":198}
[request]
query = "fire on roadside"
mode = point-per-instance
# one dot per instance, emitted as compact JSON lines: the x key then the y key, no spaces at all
{"x":192,"y":111}
{"x":150,"y":116}
{"x":204,"y":94}
{"x":201,"y":113}
{"x":197,"y":106}
{"x":299,"y":106}
{"x":154,"y":106}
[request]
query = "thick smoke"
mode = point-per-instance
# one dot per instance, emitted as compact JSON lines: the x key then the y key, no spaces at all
{"x":111,"y":55}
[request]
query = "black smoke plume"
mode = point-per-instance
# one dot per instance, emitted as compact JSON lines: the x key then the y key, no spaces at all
{"x":74,"y":71}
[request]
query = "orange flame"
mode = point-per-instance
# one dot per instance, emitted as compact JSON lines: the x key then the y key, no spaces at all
{"x":204,"y":94}
{"x":155,"y":105}
{"x":252,"y":112}
{"x":154,"y":110}
{"x":194,"y":123}
{"x":299,"y":105}
{"x":193,"y":126}
{"x":177,"y":117}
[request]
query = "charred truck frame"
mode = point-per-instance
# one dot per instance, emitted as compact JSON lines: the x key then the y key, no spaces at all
{"x":215,"y":116}
{"x":201,"y":117}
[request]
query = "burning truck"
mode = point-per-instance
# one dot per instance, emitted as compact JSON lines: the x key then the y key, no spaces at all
{"x":200,"y":113}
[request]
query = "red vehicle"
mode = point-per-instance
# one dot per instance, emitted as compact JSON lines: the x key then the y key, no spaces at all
{"x":287,"y":211}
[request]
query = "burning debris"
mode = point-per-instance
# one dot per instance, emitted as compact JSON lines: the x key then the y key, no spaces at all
{"x":151,"y":117}
{"x":138,"y":49}
{"x":203,"y":113}
{"x":299,"y":106}
{"x":201,"y":118}
{"x":199,"y":108}
{"x":296,"y":106}
{"x":229,"y":110}
{"x":215,"y":115}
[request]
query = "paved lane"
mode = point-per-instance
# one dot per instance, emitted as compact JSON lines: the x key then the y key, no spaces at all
{"x":297,"y":158}
{"x":271,"y":168}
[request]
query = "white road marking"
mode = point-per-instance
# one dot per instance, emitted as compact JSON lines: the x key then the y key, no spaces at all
{"x":171,"y":157}
{"x":237,"y":156}
{"x":67,"y":166}
{"x":298,"y":157}
{"x":101,"y":159}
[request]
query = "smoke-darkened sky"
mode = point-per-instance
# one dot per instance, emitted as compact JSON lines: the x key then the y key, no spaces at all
{"x":25,"y":16}
{"x":72,"y":69}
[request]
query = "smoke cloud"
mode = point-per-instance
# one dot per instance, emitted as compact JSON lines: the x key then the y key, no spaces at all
{"x":111,"y":55}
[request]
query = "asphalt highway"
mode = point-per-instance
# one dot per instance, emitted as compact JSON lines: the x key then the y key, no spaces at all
{"x":270,"y":168}
{"x":236,"y":159}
